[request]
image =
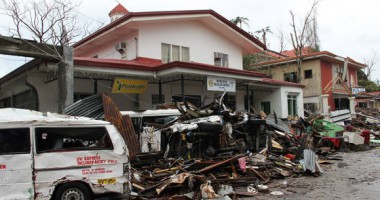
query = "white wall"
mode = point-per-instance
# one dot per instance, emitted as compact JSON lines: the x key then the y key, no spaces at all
{"x":285,"y":90}
{"x":273,"y":96}
{"x":203,"y":42}
{"x":109,"y":52}
{"x":278,"y":100}
{"x":47,"y":92}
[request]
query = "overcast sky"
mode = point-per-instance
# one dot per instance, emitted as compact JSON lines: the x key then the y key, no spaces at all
{"x":345,"y":27}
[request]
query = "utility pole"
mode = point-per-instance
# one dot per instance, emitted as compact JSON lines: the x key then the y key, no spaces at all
{"x":28,"y":48}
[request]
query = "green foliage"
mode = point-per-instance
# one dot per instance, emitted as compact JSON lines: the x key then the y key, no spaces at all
{"x":239,"y":21}
{"x":362,"y":76}
{"x":253,"y":59}
{"x":369,"y":85}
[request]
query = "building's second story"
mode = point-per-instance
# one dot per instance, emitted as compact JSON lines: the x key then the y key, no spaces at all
{"x":321,"y":72}
{"x":201,"y":36}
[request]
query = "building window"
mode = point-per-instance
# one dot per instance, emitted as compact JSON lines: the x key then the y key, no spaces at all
{"x":193,"y":99}
{"x":220,"y":59}
{"x":156,"y":98}
{"x":246,"y":106}
{"x":78,"y":96}
{"x":175,"y":55}
{"x":292,"y":105}
{"x":230,"y":101}
{"x":14,"y":141}
{"x":73,"y":139}
{"x":290,"y":77}
{"x":24,"y":100}
{"x":265,"y":106}
{"x":170,"y":53}
{"x":308,"y":73}
{"x":165,"y":52}
{"x":185,"y":52}
{"x":338,"y":71}
{"x":310,"y":107}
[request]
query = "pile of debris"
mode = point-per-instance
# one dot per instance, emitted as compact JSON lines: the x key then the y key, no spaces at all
{"x":211,"y":152}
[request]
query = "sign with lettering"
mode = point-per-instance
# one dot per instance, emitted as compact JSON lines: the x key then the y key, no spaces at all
{"x":221,"y":84}
{"x":356,"y":90}
{"x":129,"y":86}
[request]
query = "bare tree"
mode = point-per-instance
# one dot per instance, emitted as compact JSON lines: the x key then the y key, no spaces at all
{"x":280,"y":37}
{"x":370,"y":64}
{"x":53,"y":22}
{"x":301,"y":37}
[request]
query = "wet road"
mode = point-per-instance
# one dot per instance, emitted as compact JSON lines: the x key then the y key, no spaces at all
{"x":357,"y":176}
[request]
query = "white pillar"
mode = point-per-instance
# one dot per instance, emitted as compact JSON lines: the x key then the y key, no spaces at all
{"x":325,"y":106}
{"x":352,"y":106}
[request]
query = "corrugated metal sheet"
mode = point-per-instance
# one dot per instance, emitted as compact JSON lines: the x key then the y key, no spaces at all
{"x":122,"y":123}
{"x":91,"y":106}
{"x":100,"y":106}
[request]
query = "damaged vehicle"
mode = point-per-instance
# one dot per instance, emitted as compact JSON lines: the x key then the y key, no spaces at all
{"x":51,"y":156}
{"x":147,"y":124}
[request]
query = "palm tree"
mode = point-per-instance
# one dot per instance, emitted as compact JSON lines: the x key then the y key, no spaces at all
{"x":238,"y":21}
{"x":263,"y":33}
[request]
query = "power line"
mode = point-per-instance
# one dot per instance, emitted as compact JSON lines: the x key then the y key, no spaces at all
{"x":89,"y":17}
{"x":15,"y":59}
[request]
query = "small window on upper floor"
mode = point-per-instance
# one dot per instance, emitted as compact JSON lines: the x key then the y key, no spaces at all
{"x":165,"y":52}
{"x":220,"y":59}
{"x":185,"y":54}
{"x":290,"y":77}
{"x":308,"y":73}
{"x":170,"y":53}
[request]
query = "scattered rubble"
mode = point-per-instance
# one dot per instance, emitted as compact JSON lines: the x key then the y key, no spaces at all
{"x":214,"y":153}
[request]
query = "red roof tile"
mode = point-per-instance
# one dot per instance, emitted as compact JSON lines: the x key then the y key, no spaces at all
{"x":118,"y":9}
{"x":278,"y":82}
{"x":292,"y":53}
{"x":313,"y":55}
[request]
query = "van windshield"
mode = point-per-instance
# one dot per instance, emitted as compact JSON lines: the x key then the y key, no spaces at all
{"x":71,"y":139}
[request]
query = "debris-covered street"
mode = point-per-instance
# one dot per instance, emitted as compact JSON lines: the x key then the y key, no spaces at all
{"x":187,"y":101}
{"x":213,"y":153}
{"x":354,"y":177}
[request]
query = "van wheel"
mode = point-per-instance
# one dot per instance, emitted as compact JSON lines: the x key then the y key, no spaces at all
{"x":72,"y":191}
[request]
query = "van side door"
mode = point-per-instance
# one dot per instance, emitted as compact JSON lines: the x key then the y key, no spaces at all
{"x":16,"y":164}
{"x":84,"y":154}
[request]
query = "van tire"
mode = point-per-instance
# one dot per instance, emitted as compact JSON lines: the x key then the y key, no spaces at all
{"x":72,"y":191}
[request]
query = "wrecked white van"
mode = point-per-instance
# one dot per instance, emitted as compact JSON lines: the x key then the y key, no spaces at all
{"x":145,"y":123}
{"x":51,"y":156}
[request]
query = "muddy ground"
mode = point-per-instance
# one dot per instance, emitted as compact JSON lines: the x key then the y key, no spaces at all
{"x":357,"y":176}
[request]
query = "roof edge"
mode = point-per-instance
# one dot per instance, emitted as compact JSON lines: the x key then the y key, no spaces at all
{"x":178,"y":12}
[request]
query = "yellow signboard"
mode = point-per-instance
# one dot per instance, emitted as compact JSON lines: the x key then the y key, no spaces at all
{"x":129,"y":86}
{"x":107,"y":181}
